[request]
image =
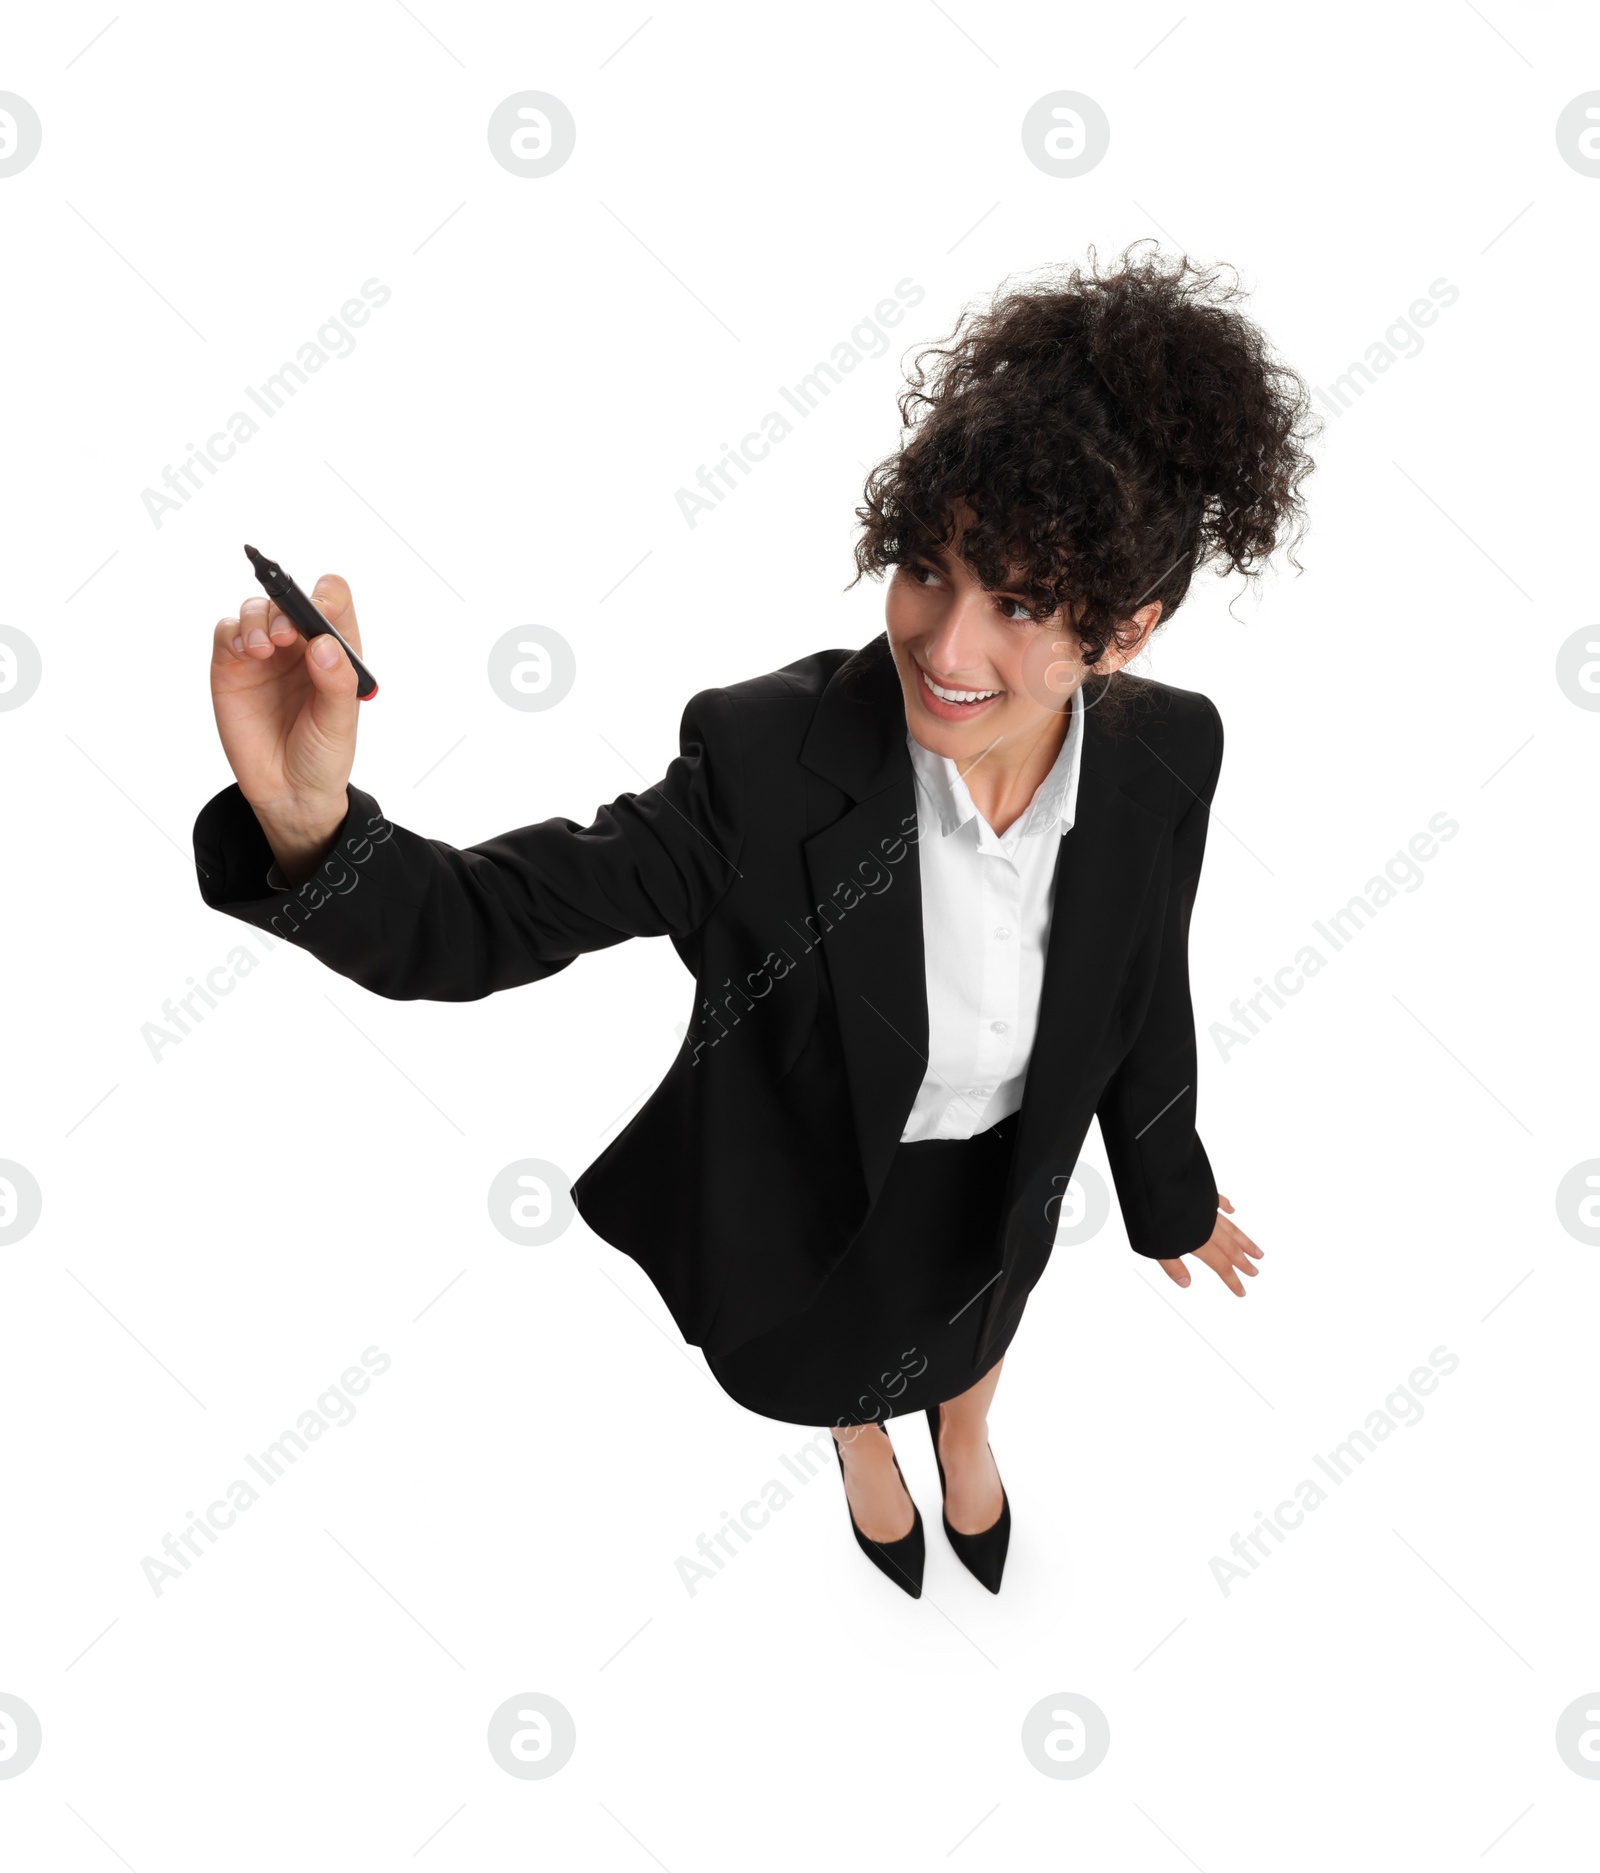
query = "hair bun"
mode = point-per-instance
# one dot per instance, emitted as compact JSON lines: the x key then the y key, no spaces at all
{"x":1205,"y":404}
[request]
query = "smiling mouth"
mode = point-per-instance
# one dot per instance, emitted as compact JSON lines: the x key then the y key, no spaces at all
{"x":968,"y":697}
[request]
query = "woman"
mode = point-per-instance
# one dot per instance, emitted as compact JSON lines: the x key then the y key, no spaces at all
{"x":913,"y":882}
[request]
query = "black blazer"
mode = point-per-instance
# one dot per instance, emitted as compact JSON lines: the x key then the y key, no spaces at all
{"x":779,"y":854}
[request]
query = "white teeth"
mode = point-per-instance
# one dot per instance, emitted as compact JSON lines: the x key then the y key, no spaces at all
{"x":958,"y":695}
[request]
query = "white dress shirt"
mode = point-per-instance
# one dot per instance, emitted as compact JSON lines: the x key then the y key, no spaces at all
{"x":987,"y":900}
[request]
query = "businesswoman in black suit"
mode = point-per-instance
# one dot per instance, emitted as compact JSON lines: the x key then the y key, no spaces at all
{"x":934,"y":892}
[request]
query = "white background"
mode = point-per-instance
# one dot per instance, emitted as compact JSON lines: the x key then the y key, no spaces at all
{"x":305,"y":1175}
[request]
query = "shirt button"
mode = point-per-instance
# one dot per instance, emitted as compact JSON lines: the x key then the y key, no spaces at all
{"x":1002,"y":931}
{"x":997,"y":1027}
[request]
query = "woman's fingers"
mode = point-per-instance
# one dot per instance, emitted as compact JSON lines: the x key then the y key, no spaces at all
{"x":1218,"y":1259}
{"x":1239,"y":1240}
{"x":336,"y":604}
{"x":1229,"y":1253}
{"x":253,"y":626}
{"x":262,"y":628}
{"x":1216,"y":1256}
{"x":230,"y":645}
{"x":1232,"y":1232}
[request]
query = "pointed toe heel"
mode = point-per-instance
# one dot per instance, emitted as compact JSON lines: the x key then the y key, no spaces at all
{"x":983,"y":1555}
{"x":901,"y":1560}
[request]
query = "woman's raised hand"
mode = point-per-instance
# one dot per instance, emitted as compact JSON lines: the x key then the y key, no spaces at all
{"x":286,"y":710}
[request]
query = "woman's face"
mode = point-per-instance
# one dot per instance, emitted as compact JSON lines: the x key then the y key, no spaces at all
{"x":948,"y":631}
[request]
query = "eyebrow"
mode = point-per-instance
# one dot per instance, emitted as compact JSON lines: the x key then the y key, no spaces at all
{"x":941,"y":555}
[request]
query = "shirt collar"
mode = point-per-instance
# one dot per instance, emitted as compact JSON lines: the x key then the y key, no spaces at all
{"x":1053,"y":807}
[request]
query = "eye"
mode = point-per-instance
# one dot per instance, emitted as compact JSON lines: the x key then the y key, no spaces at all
{"x":1007,"y":607}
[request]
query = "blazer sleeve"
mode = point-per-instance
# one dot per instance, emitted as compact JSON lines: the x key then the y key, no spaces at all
{"x":412,"y":918}
{"x":1165,"y":1186}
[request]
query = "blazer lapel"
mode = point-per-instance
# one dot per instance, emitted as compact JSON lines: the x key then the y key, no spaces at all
{"x":872,"y":941}
{"x":1103,"y":873}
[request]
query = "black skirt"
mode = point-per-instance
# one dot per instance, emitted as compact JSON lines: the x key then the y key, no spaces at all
{"x":895,"y":1326}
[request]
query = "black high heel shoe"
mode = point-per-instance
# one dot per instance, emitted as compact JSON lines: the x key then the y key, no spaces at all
{"x":983,"y":1555}
{"x":901,"y":1560}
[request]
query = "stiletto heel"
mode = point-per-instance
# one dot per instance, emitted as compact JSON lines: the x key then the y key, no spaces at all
{"x":901,"y":1560}
{"x":983,"y":1555}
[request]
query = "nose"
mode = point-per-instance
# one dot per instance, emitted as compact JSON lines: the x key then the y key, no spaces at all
{"x":956,"y":647}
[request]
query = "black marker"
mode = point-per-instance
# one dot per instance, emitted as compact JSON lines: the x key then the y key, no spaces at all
{"x":300,"y":611}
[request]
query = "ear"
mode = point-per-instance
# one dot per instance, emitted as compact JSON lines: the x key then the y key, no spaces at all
{"x":1144,"y":621}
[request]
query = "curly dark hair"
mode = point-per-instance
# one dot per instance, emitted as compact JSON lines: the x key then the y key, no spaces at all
{"x":1110,"y":432}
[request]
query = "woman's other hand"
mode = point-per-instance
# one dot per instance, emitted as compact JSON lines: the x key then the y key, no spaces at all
{"x":1229,"y":1252}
